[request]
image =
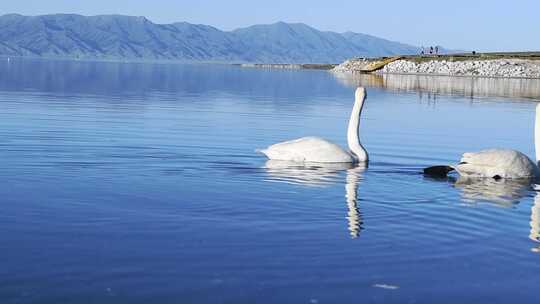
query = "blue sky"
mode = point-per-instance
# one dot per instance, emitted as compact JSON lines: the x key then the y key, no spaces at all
{"x":457,"y":24}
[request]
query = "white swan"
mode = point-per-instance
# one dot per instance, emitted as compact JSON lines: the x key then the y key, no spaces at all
{"x":496,"y":163}
{"x":315,"y":149}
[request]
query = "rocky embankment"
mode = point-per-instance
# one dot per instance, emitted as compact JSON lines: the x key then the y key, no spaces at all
{"x":521,"y":68}
{"x":354,"y":65}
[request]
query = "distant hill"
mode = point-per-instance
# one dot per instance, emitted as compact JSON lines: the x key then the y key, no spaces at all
{"x":137,"y":38}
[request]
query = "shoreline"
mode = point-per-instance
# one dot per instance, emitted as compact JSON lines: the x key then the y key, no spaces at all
{"x":498,"y":65}
{"x":290,"y":66}
{"x":305,"y":66}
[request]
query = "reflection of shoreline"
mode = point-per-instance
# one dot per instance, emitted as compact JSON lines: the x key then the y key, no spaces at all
{"x":447,"y":85}
{"x":323,"y":175}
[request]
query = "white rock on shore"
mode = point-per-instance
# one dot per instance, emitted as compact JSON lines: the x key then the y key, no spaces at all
{"x":351,"y":65}
{"x":486,"y":68}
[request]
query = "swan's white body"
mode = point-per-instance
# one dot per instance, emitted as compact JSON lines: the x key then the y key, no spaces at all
{"x":502,"y":163}
{"x":308,"y":149}
{"x":318,"y":150}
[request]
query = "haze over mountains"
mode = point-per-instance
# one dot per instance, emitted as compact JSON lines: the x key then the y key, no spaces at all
{"x":137,"y":38}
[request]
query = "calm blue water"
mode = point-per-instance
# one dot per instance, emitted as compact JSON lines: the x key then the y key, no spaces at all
{"x":139,"y":183}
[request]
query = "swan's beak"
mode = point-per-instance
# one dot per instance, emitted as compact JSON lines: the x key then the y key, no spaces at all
{"x":360,"y":93}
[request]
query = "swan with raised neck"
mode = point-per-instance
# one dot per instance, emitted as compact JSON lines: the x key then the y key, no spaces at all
{"x":316,"y":149}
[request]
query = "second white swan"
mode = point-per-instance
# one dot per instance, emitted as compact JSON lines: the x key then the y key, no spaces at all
{"x":315,"y":149}
{"x":496,"y":163}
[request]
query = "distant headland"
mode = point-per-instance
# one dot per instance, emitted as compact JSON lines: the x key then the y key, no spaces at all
{"x":118,"y":37}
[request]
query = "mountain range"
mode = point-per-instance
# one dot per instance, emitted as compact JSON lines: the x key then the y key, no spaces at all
{"x":137,"y":38}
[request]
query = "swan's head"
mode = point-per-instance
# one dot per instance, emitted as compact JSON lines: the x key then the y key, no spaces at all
{"x":360,"y":94}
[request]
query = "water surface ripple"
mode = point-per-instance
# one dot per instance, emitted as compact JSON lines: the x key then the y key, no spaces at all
{"x":137,"y":183}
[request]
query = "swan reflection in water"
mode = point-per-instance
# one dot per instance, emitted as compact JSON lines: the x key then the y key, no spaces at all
{"x":535,"y":219}
{"x":505,"y":193}
{"x":321,"y":175}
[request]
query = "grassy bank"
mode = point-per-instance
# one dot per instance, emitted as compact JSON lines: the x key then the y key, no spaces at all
{"x":477,"y":56}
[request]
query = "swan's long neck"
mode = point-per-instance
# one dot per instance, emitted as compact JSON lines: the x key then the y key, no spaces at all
{"x":537,"y":134}
{"x":353,"y":139}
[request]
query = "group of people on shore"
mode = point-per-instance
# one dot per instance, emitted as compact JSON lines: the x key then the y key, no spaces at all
{"x":432,"y":50}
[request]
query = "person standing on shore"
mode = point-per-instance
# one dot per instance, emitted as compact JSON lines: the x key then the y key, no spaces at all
{"x":436,"y":50}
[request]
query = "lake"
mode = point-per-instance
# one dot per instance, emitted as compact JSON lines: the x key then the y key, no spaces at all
{"x":139,"y":183}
